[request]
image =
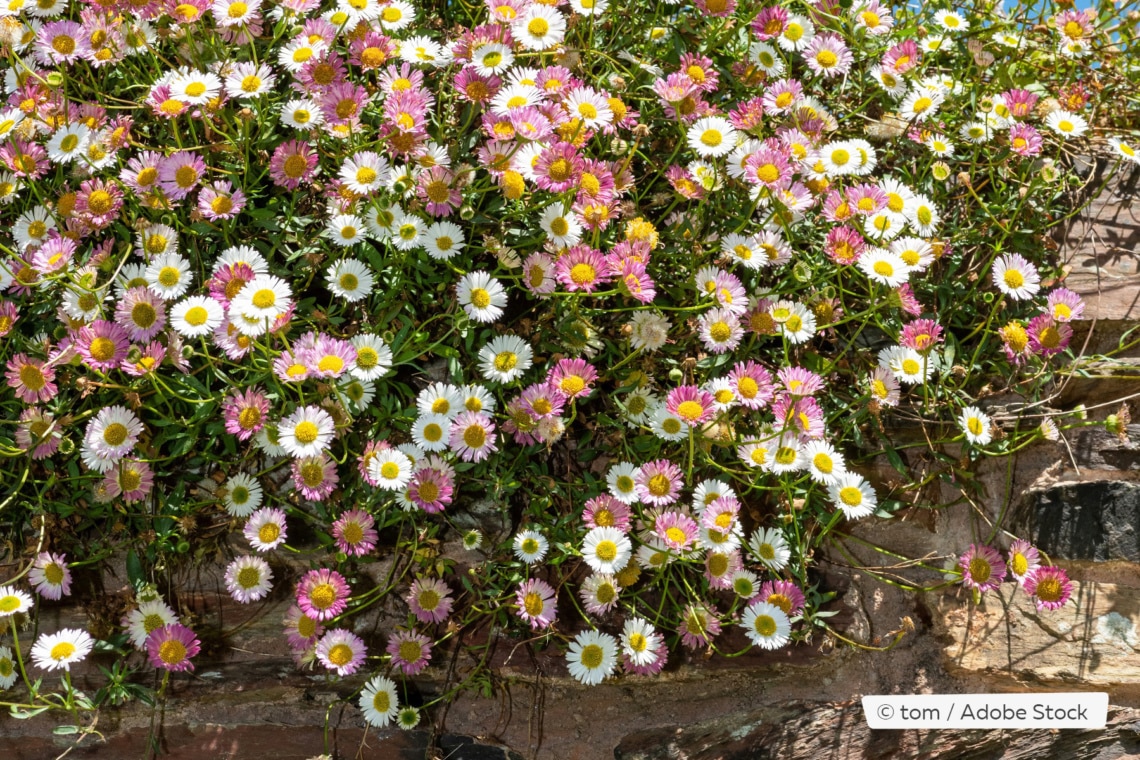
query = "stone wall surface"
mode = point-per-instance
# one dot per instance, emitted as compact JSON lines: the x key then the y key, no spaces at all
{"x":1078,"y":499}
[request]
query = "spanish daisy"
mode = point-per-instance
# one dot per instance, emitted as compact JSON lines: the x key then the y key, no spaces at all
{"x":61,"y":649}
{"x":482,"y":297}
{"x":1016,"y":277}
{"x":341,"y":651}
{"x":853,"y":495}
{"x":606,"y":550}
{"x":322,"y":594}
{"x":349,"y":279}
{"x":410,"y":650}
{"x":658,"y":482}
{"x":50,"y":576}
{"x":355,"y":533}
{"x":149,"y":616}
{"x":640,"y":641}
{"x":592,"y":657}
{"x":1049,"y":586}
{"x":982,"y":568}
{"x":378,"y":701}
{"x":537,"y":603}
{"x":530,"y":546}
{"x":248,"y":579}
{"x":13,"y":601}
{"x":306,"y":432}
{"x":976,"y":425}
{"x":429,"y":600}
{"x":1023,"y":560}
{"x":766,"y":625}
{"x":472,"y":436}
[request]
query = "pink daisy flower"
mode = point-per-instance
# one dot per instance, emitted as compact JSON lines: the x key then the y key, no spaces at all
{"x":659,"y":482}
{"x":783,"y":594}
{"x":8,"y":316}
{"x":1025,"y":140}
{"x":537,"y":603}
{"x":322,"y":594}
{"x":432,"y":485}
{"x":581,"y":268}
{"x":31,"y":379}
{"x":293,"y":163}
{"x":410,"y":650}
{"x":902,"y":57}
{"x":828,"y":56}
{"x":691,"y":404}
{"x":129,"y":479}
{"x":572,"y":378}
{"x":1048,"y":337}
{"x":753,"y":384}
{"x":429,"y":600}
{"x":769,"y":22}
{"x":180,"y":174}
{"x":50,"y":576}
{"x":355,"y":533}
{"x":171,"y":647}
{"x":677,"y":530}
{"x":1064,"y":305}
{"x":782,"y":96}
{"x":472,"y":436}
{"x":53,"y":255}
{"x":921,"y":335}
{"x":149,"y":359}
{"x":798,"y":381}
{"x":720,"y":566}
{"x":982,"y":568}
{"x":141,"y":313}
{"x":435,"y":188}
{"x":699,"y":626}
{"x":248,"y":579}
{"x":219,"y":200}
{"x":102,"y":344}
{"x":1023,"y":560}
{"x":1050,"y":586}
{"x":604,"y":511}
{"x":265,"y":529}
{"x":245,"y":412}
{"x":342,"y":651}
{"x":39,"y":432}
{"x":301,"y":630}
{"x":559,"y":168}
{"x":315,"y":476}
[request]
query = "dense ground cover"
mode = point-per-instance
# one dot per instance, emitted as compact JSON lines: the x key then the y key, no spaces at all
{"x":652,"y":282}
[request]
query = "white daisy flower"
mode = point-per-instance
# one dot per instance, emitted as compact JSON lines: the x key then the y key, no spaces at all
{"x":1066,"y":124}
{"x":539,"y":27}
{"x":60,"y":650}
{"x":1128,"y":150}
{"x":976,"y":425}
{"x":196,"y":87}
{"x":373,"y":357}
{"x":396,"y":15}
{"x":852,"y":494}
{"x":797,"y":33}
{"x":481,"y":296}
{"x":32,"y":228}
{"x":350,"y":279}
{"x":505,"y":358}
{"x":766,"y":625}
{"x":68,"y":143}
{"x":306,"y":432}
{"x":640,"y":641}
{"x":391,"y":469}
{"x":345,"y":230}
{"x":825,"y":464}
{"x":589,"y":7}
{"x":606,"y":550}
{"x":149,"y":616}
{"x":407,"y":232}
{"x":766,"y":59}
{"x":196,"y":316}
{"x":907,"y":365}
{"x":243,"y":495}
{"x":1016,"y":277}
{"x":430,"y":432}
{"x":622,"y":482}
{"x":442,"y":240}
{"x":302,"y":114}
{"x":592,"y":656}
{"x":920,"y":104}
{"x":8,"y":674}
{"x":951,"y":21}
{"x":265,"y":297}
{"x":491,"y":58}
{"x":770,"y":549}
{"x":588,"y":105}
{"x":12,"y":600}
{"x":667,"y":426}
{"x":295,"y":54}
{"x":378,"y":701}
{"x":248,"y":579}
{"x":883,"y":266}
{"x":440,"y":398}
{"x":530,"y":546}
{"x":712,"y":136}
{"x":561,"y":226}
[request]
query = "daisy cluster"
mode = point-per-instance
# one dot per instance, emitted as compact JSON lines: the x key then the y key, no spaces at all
{"x":648,"y":278}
